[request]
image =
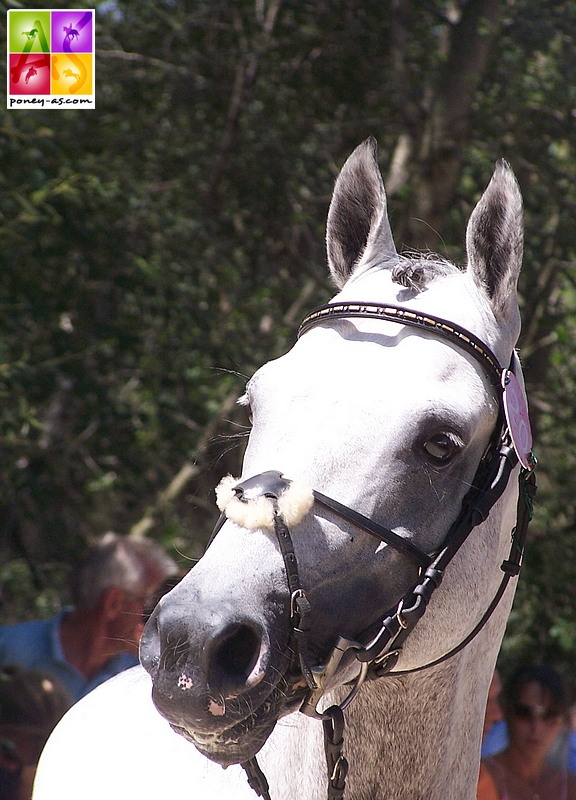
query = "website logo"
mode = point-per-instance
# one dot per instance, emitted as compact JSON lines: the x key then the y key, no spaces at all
{"x":50,"y":59}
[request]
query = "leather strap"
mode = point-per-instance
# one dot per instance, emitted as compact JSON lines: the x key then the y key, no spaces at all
{"x":256,"y":778}
{"x":336,"y":764}
{"x":299,"y":604}
{"x":385,"y":647}
{"x":404,"y":546}
{"x":405,"y":316}
{"x":510,"y":567}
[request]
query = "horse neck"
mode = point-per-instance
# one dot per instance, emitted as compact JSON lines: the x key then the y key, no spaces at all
{"x":412,"y":737}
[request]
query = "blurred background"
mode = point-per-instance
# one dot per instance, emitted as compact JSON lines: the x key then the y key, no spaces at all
{"x":155,"y":251}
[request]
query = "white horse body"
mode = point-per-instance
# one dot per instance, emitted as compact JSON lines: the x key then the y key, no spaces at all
{"x":96,"y":753}
{"x":113,"y":744}
{"x":351,"y":410}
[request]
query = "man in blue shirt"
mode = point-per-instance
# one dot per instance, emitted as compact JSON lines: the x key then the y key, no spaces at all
{"x":86,"y":644}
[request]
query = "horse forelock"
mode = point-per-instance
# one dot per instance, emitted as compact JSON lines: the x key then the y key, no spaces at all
{"x":412,"y":270}
{"x":417,"y":271}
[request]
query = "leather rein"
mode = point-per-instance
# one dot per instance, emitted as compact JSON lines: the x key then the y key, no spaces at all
{"x":379,"y":646}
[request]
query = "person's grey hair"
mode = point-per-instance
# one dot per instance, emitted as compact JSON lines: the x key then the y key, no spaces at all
{"x":123,"y":562}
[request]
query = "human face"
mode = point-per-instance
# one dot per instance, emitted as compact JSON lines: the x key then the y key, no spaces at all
{"x":532,"y":724}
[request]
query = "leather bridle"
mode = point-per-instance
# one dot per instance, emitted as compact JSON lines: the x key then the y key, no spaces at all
{"x":378,"y":648}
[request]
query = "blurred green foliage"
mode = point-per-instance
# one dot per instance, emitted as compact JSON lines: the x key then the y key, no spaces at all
{"x":157,"y":250}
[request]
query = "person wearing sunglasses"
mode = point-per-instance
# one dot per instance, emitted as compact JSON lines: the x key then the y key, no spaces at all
{"x":536,"y":707}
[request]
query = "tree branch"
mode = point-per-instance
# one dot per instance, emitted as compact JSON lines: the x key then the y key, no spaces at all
{"x":148,"y":60}
{"x":185,"y":474}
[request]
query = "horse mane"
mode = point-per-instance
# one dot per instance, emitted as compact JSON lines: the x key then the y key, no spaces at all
{"x":417,"y":271}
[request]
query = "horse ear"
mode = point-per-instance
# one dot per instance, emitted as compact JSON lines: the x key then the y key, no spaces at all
{"x":357,"y":219}
{"x":494,"y":240}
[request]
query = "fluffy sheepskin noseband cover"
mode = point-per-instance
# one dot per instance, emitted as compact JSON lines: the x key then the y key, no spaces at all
{"x":258,"y":512}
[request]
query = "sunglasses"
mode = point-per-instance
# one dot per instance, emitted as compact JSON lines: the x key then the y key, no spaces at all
{"x":529,"y":713}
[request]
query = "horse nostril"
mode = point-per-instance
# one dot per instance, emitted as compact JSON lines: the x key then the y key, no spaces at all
{"x":235,"y":656}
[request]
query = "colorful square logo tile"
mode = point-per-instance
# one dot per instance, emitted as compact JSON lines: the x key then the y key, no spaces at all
{"x":29,"y":31}
{"x":71,"y":31}
{"x":51,"y":58}
{"x":29,"y":74}
{"x":71,"y":74}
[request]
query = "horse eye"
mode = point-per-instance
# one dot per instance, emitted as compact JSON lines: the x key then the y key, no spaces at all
{"x":441,"y":448}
